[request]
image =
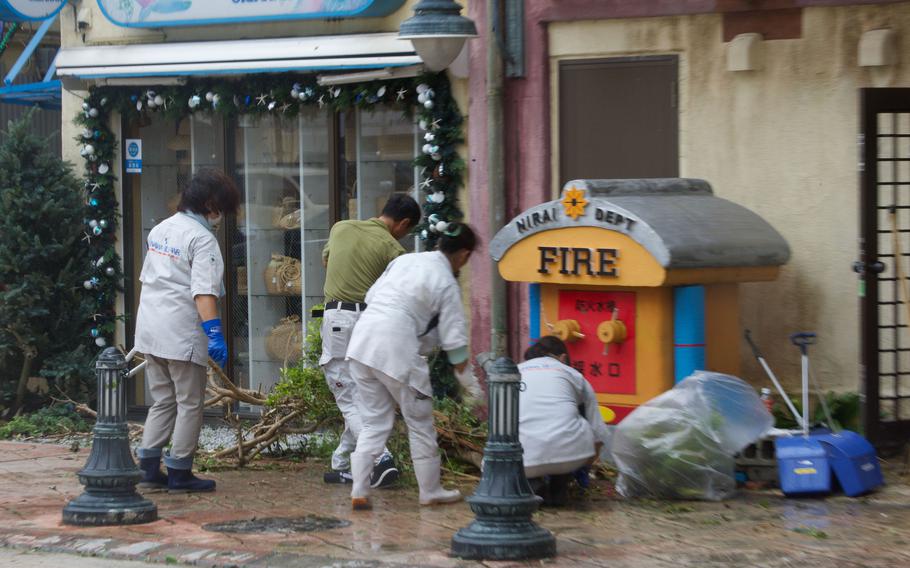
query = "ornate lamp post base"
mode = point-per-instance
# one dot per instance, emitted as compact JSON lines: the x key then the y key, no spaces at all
{"x":503,"y":531}
{"x":110,"y":475}
{"x":503,"y":502}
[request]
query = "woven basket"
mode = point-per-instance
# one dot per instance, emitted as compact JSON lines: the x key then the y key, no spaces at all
{"x":285,"y":341}
{"x":287,"y":215}
{"x":283,"y":276}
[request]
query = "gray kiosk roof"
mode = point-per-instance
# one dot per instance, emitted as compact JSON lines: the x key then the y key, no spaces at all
{"x":679,"y":221}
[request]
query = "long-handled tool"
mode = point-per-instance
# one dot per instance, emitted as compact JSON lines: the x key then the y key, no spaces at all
{"x":802,"y":422}
{"x":803,"y":340}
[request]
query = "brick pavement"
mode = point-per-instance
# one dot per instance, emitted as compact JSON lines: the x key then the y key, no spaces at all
{"x":754,"y":529}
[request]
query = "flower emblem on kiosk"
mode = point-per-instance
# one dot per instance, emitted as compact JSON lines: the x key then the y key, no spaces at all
{"x":574,"y":202}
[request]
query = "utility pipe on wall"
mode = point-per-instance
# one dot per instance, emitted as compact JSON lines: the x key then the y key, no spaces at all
{"x":496,"y":172}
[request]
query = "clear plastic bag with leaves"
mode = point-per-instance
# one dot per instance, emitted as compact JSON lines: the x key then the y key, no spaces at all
{"x":680,"y":445}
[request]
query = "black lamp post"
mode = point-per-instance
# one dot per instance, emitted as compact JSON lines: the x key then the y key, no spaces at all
{"x":504,"y":501}
{"x":110,"y":475}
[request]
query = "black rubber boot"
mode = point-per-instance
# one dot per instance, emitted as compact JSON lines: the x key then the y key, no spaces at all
{"x":183,"y":481}
{"x":559,"y":491}
{"x":152,"y":476}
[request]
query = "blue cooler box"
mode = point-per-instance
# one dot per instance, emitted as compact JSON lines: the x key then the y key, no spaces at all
{"x":803,"y":465}
{"x":854,"y":462}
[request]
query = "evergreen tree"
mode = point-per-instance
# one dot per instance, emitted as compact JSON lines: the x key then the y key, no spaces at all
{"x":44,"y":309}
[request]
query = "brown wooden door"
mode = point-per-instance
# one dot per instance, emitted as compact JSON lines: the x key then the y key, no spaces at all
{"x":618,"y":118}
{"x":884,"y":264}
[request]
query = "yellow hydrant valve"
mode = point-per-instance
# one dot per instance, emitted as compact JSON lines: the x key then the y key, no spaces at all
{"x":612,"y":331}
{"x":566,"y":330}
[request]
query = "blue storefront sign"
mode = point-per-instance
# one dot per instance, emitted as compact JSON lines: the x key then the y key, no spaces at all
{"x":163,"y":13}
{"x":133,"y":147}
{"x":29,"y":10}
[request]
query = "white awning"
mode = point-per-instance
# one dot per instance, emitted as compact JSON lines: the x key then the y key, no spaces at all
{"x":320,"y":53}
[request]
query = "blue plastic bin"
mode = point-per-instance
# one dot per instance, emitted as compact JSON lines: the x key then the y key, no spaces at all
{"x":854,"y":462}
{"x":803,"y":465}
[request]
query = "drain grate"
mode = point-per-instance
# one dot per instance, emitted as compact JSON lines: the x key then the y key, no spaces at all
{"x":309,"y":523}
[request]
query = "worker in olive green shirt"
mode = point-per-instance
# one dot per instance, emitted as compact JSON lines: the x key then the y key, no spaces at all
{"x":355,"y":256}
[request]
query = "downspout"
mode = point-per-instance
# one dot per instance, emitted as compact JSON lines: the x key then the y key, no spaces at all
{"x":496,"y":173}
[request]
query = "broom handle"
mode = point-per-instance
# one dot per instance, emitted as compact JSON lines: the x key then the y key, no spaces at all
{"x":773,"y":377}
{"x":805,"y":365}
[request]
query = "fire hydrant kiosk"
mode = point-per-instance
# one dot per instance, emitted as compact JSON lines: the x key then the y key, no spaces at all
{"x":640,"y":278}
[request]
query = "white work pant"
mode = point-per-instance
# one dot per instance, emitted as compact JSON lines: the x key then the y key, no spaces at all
{"x":178,"y":389}
{"x":559,"y":468}
{"x":336,"y":333}
{"x":378,"y":395}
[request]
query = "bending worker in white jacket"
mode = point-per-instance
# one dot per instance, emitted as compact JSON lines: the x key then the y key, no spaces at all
{"x":417,"y":294}
{"x":559,"y":421}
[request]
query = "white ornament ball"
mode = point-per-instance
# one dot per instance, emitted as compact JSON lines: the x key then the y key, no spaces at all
{"x":428,"y":105}
{"x":85,"y":106}
{"x":87,"y":134}
{"x":427,"y":148}
{"x":89,"y":149}
{"x":103,"y":168}
{"x":93,"y":112}
{"x":103,"y":101}
{"x":295,"y":94}
{"x":422,"y":124}
{"x":429,"y":137}
{"x":424,"y":234}
{"x":436,"y":156}
{"x":138,"y":105}
{"x":422,"y":98}
{"x":422,"y":88}
{"x":216,"y":99}
{"x":88,"y":284}
{"x":103,"y":223}
{"x":209,"y":96}
{"x":93,"y":223}
{"x":303,"y":95}
{"x":442,"y":226}
{"x":97,"y":231}
{"x":433,"y":219}
{"x":438,"y":197}
{"x":159,"y":100}
{"x":151,"y":103}
{"x":100,"y":342}
{"x":110,"y":271}
{"x":380,"y":92}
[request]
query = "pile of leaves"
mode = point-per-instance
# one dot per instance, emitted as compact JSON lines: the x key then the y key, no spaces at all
{"x":50,"y":421}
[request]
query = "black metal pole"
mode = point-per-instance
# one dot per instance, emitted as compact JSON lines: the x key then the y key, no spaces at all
{"x":504,"y":501}
{"x":110,"y":475}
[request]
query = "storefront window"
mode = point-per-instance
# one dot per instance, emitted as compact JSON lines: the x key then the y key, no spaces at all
{"x":295,"y":183}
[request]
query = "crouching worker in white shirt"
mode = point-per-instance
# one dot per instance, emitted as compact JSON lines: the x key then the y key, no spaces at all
{"x":178,"y":328}
{"x":415,"y":296}
{"x":559,"y":421}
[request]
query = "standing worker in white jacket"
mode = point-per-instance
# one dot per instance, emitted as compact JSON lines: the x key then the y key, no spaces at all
{"x":418,"y":294}
{"x":559,"y":422}
{"x":178,"y":328}
{"x":355,"y":255}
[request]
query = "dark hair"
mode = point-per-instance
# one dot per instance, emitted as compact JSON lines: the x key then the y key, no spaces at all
{"x":546,"y":346}
{"x":402,"y":206}
{"x":458,"y":236}
{"x":210,"y":191}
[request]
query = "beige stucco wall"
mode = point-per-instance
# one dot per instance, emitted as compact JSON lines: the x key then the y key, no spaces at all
{"x":781,"y":141}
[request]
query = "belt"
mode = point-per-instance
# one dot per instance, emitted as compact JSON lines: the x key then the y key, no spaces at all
{"x":350,"y":306}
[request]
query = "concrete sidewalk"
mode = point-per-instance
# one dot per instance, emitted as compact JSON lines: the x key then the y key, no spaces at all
{"x":754,"y":529}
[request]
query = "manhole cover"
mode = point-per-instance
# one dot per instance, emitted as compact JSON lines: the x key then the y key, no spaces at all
{"x":309,"y":523}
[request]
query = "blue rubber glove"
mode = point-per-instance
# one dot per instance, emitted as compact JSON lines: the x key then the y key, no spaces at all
{"x":217,"y":347}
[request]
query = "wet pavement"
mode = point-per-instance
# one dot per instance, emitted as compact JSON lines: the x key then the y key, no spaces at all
{"x":311,"y":523}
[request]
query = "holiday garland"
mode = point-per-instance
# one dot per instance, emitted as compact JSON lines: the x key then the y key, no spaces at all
{"x":427,"y":96}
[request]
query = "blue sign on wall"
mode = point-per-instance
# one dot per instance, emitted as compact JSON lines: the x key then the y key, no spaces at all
{"x":29,"y":10}
{"x":163,"y":13}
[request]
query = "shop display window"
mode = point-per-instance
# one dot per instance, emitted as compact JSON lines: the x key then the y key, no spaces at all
{"x":297,"y":177}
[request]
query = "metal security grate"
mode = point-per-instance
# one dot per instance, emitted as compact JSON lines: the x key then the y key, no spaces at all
{"x":885,"y":264}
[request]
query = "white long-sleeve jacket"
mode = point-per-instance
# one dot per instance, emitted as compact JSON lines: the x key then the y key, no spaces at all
{"x":550,"y":426}
{"x":400,"y":305}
